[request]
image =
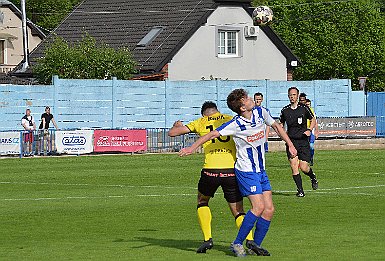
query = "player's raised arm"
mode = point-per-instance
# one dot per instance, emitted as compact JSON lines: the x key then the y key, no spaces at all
{"x":282,"y":133}
{"x":189,"y":150}
{"x":178,"y":129}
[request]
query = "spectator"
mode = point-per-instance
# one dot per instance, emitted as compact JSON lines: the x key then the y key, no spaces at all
{"x":29,"y":126}
{"x":45,"y":138}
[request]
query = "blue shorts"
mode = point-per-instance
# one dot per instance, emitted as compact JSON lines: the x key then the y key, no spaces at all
{"x":251,"y":183}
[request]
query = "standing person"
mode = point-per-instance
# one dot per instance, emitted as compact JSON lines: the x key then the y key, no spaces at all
{"x":248,"y":131}
{"x":258,"y":99}
{"x":29,"y":126}
{"x":302,"y":98}
{"x":295,"y":115}
{"x":218,"y":170}
{"x":46,"y":118}
{"x":314,"y":133}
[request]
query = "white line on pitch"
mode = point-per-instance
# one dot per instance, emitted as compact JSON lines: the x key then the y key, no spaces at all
{"x":95,"y":185}
{"x":319,"y":191}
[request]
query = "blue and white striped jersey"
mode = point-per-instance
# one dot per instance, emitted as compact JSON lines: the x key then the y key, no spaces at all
{"x":249,"y":137}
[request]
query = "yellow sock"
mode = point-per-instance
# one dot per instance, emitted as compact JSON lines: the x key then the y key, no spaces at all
{"x":204,"y":217}
{"x":238,"y":222}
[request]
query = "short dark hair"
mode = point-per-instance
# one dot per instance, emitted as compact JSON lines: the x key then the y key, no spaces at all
{"x":258,"y":94}
{"x":302,"y":94}
{"x":208,"y":105}
{"x":308,"y":100}
{"x":293,"y":88}
{"x":234,"y":100}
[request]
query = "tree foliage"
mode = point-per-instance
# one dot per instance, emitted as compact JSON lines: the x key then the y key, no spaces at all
{"x":47,"y":13}
{"x":334,"y":39}
{"x":83,"y":60}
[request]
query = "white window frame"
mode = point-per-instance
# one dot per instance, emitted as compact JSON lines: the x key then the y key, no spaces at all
{"x":238,"y":38}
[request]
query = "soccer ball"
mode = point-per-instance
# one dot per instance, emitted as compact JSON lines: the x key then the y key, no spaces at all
{"x":262,"y":15}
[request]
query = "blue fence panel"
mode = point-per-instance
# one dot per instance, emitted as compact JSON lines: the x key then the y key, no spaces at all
{"x":184,"y":99}
{"x":15,"y":99}
{"x":139,"y":104}
{"x":83,"y":103}
{"x":144,"y":104}
{"x":332,"y":99}
{"x":376,"y":107}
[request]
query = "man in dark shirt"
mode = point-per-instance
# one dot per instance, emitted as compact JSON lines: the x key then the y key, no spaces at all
{"x":295,"y":116}
{"x":45,"y":138}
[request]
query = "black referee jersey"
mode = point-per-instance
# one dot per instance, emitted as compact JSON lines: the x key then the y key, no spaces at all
{"x":296,"y":120}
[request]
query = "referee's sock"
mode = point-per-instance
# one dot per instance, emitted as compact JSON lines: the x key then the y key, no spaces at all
{"x":298,"y":181}
{"x":261,"y":229}
{"x":310,"y":174}
{"x":204,"y":217}
{"x":238,"y":221}
{"x":246,"y":227}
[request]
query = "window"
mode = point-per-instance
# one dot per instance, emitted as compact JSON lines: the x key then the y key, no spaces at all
{"x":228,"y":43}
{"x":149,"y":37}
{"x":2,"y":52}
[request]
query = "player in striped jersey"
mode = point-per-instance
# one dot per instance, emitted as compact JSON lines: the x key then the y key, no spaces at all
{"x":218,"y":170}
{"x":248,"y":131}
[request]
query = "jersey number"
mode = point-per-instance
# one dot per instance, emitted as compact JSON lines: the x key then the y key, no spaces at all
{"x":211,"y":128}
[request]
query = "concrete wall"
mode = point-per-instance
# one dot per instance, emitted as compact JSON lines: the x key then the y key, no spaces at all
{"x":259,"y":58}
{"x":153,"y":104}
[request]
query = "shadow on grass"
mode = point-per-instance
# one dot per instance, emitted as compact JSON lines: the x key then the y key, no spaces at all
{"x":181,"y":244}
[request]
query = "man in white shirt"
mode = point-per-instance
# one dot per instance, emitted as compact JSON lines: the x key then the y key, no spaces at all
{"x":248,"y":131}
{"x":29,"y":126}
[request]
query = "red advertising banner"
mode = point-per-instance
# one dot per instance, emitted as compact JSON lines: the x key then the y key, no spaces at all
{"x":120,"y":140}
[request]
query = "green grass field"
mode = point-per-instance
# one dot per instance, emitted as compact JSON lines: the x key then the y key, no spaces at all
{"x":144,"y":207}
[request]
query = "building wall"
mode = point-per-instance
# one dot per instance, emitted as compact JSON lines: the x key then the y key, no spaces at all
{"x":260,"y":59}
{"x":14,"y":48}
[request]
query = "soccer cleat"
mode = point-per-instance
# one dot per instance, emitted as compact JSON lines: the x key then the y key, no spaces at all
{"x":238,"y":250}
{"x":206,"y":245}
{"x":314,"y":184}
{"x":300,"y":194}
{"x":251,"y":245}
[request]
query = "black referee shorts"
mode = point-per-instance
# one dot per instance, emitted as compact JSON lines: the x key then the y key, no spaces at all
{"x":211,"y":179}
{"x":303,"y":149}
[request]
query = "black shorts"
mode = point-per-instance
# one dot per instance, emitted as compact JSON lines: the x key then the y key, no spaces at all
{"x":211,"y":179}
{"x":303,"y":149}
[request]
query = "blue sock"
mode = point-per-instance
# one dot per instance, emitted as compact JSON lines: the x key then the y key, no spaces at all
{"x":261,"y":229}
{"x":311,"y":150}
{"x":247,"y":225}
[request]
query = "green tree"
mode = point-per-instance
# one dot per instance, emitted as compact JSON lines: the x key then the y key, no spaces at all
{"x":83,"y":60}
{"x":334,"y":39}
{"x":47,"y":13}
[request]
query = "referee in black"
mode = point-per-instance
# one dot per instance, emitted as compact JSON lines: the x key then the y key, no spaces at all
{"x":295,"y":116}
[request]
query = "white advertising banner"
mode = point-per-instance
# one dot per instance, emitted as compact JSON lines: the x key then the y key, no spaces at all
{"x":9,"y":142}
{"x":74,"y":142}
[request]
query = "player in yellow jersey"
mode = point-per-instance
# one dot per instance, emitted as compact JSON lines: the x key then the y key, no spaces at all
{"x":218,"y":170}
{"x":314,"y":134}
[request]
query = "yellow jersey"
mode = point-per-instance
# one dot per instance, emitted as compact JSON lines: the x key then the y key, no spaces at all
{"x":308,"y":121}
{"x":219,"y":152}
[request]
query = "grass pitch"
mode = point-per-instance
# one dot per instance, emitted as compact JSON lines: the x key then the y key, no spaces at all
{"x":143,"y":207}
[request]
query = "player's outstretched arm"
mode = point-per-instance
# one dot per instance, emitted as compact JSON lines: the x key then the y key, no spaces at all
{"x":178,"y":129}
{"x":189,"y":150}
{"x":282,"y":133}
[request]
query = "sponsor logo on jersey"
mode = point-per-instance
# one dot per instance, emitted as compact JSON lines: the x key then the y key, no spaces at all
{"x":74,"y":140}
{"x":220,"y":117}
{"x":256,"y":136}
